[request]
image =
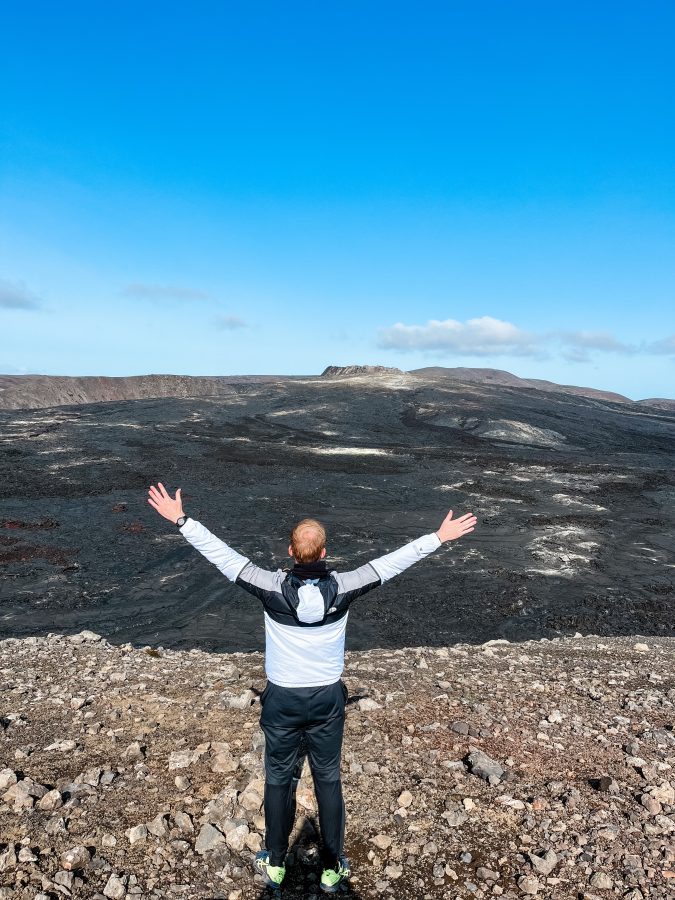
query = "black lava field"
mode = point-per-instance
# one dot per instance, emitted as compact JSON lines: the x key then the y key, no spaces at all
{"x":575,"y":499}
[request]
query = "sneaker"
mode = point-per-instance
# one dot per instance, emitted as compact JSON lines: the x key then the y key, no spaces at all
{"x":273,"y":875}
{"x":331,"y":879}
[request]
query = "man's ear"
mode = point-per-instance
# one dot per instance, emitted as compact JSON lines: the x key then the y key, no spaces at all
{"x":323,"y":553}
{"x":290,"y":550}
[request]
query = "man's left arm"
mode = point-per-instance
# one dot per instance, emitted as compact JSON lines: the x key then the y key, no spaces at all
{"x":374,"y":573}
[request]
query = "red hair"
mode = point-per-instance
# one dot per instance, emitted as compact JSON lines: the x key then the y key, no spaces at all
{"x":308,"y":539}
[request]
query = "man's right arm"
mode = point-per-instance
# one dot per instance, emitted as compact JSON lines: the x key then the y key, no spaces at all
{"x":260,"y":582}
{"x":216,"y":551}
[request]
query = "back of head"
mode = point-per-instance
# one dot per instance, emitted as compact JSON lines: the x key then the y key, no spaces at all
{"x":308,"y":539}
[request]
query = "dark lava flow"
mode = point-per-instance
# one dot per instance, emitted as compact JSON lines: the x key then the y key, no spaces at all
{"x":575,"y":499}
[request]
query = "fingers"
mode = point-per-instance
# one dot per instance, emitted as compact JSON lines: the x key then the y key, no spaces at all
{"x":465,"y":517}
{"x":163,"y":490}
{"x":154,"y":493}
{"x":467,"y":528}
{"x":178,"y":496}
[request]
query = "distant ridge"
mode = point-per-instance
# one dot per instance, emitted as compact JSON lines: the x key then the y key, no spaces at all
{"x":43,"y":391}
{"x":501,"y":377}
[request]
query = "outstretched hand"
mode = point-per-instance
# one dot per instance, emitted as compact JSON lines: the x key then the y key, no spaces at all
{"x":451,"y":529}
{"x":164,"y":503}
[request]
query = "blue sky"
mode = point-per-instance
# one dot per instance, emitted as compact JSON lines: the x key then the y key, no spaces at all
{"x":232,"y":188}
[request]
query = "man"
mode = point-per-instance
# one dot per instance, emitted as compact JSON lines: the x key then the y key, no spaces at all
{"x":303,"y":704}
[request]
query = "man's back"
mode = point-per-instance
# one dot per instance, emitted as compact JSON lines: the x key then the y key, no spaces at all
{"x":306,"y":609}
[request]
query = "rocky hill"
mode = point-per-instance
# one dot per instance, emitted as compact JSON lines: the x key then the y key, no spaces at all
{"x":545,"y":769}
{"x":660,"y":403}
{"x":350,"y":371}
{"x":507,"y":379}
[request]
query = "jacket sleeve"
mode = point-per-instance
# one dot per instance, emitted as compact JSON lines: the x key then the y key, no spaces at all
{"x":359,"y":581}
{"x":394,"y":563}
{"x":259,"y":582}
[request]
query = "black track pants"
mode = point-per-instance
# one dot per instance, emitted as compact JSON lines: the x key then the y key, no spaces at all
{"x":311,"y":718}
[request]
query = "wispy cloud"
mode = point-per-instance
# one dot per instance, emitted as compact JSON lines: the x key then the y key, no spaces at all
{"x":229,"y":323}
{"x":665,"y":346}
{"x":144,"y":291}
{"x":15,"y":295}
{"x":484,"y":336}
{"x":595,"y":340}
{"x":7,"y":369}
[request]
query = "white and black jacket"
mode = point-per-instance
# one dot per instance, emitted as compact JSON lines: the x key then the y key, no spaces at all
{"x":306,"y":609}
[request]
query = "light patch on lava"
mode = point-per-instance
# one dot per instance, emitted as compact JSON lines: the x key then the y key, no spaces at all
{"x":566,"y":500}
{"x":59,"y":450}
{"x":563,"y":550}
{"x":347,"y":451}
{"x":109,"y":425}
{"x":84,"y":462}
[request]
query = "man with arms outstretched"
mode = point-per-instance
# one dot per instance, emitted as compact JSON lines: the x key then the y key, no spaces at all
{"x":306,"y":613}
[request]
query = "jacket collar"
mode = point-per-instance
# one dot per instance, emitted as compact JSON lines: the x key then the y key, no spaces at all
{"x":310,"y":570}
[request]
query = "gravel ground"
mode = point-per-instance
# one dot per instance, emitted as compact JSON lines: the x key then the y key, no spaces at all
{"x":543,"y":768}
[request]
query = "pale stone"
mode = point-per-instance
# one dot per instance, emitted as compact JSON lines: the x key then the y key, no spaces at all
{"x":7,"y":778}
{"x":253,"y":841}
{"x":158,"y":826}
{"x":75,"y":858}
{"x":528,"y":884}
{"x":236,"y":837}
{"x":366,"y":704}
{"x":180,"y":759}
{"x":63,"y":746}
{"x":114,"y":888}
{"x":183,"y":822}
{"x":602,"y":881}
{"x":381,"y":841}
{"x":208,"y":839}
{"x":137,"y":834}
{"x":544,"y":864}
{"x":51,"y":800}
{"x":224,"y":762}
{"x":405,"y":799}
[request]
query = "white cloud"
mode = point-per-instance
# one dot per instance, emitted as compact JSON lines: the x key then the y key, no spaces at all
{"x":229,"y":323}
{"x":484,"y":336}
{"x":163,"y":292}
{"x":15,"y":295}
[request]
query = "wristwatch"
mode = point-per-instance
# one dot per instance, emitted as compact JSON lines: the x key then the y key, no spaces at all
{"x":181,"y":520}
